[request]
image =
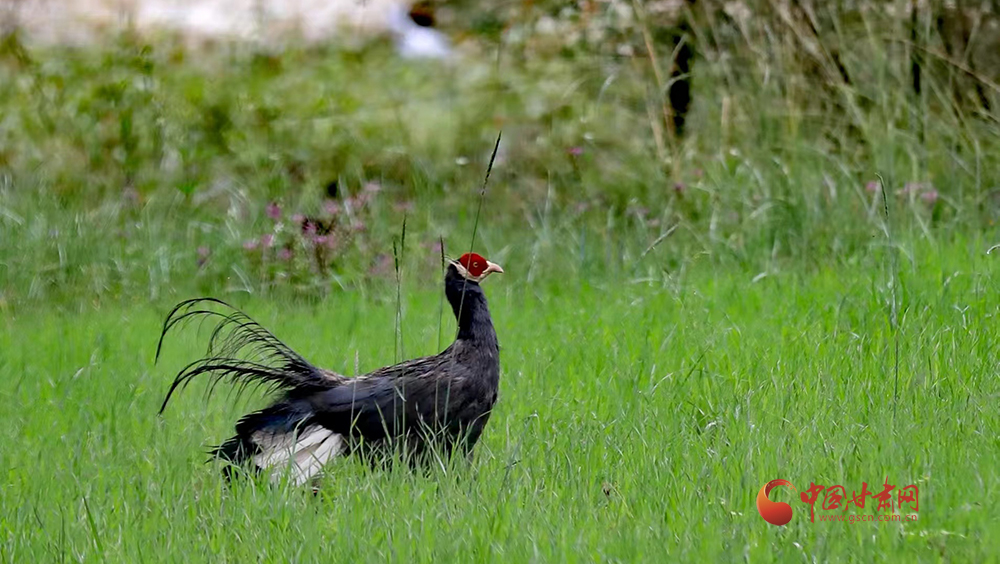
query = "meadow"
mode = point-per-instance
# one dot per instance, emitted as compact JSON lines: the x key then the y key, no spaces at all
{"x":636,"y":422}
{"x":793,"y":290}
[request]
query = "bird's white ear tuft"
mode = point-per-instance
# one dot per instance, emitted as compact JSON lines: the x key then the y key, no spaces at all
{"x":462,"y":271}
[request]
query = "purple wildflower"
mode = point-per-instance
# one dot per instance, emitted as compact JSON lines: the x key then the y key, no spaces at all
{"x":285,"y":254}
{"x":361,"y":200}
{"x":274,"y":211}
{"x":267,"y":240}
{"x":640,"y":211}
{"x":251,"y":244}
{"x":930,"y":196}
{"x":872,"y":186}
{"x":382,"y":265}
{"x":203,"y":253}
{"x":575,"y":151}
{"x":680,"y":188}
{"x":331,"y":207}
{"x":130,"y":195}
{"x":309,"y":227}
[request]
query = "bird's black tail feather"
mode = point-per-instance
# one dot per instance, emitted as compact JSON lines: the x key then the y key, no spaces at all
{"x":282,"y":418}
{"x":240,"y":351}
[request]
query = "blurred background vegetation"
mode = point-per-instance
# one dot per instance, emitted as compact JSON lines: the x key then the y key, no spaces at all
{"x":640,"y":140}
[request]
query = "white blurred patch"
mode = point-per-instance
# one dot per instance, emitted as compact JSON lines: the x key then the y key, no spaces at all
{"x":414,"y":41}
{"x":79,"y":22}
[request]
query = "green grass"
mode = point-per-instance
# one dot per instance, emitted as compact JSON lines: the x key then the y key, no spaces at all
{"x":681,"y":321}
{"x":119,"y":162}
{"x":680,"y":400}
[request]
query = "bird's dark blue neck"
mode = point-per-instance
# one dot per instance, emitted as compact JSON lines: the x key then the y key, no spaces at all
{"x":468,"y":302}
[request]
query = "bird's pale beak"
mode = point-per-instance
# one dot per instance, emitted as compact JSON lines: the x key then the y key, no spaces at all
{"x":492,"y":267}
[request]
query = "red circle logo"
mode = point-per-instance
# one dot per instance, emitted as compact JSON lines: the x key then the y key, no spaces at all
{"x":774,"y":512}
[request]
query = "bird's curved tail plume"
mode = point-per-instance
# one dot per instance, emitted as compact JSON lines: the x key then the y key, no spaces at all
{"x":241,"y":351}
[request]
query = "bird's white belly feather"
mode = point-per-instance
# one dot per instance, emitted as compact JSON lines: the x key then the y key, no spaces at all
{"x":303,"y":453}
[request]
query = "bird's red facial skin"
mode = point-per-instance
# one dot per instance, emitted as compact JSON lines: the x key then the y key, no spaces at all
{"x":474,"y":263}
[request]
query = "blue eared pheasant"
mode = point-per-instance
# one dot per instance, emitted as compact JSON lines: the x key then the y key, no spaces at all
{"x":429,"y":405}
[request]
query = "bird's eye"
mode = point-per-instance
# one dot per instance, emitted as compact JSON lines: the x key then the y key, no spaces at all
{"x":475,"y":265}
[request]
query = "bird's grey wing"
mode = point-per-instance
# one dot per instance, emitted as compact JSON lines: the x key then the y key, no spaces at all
{"x":379,"y":405}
